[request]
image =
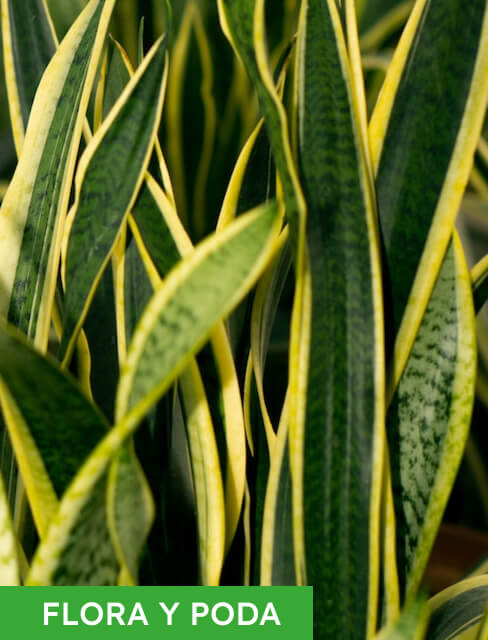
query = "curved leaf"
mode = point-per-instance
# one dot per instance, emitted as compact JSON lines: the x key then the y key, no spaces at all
{"x":39,"y":401}
{"x":207,"y":478}
{"x":110,"y":173}
{"x":240,"y":253}
{"x":458,"y":610}
{"x":130,"y":511}
{"x":424,"y":133}
{"x":200,"y":290}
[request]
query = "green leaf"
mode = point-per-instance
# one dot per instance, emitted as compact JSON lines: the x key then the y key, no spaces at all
{"x":336,"y":461}
{"x":161,"y":233}
{"x":100,"y":329}
{"x":206,"y":471}
{"x":243,"y":23}
{"x":130,"y":511}
{"x":154,"y":231}
{"x":39,"y":401}
{"x":428,"y":420}
{"x":205,"y":286}
{"x":424,"y":133}
{"x":110,"y":173}
{"x":29,"y":43}
{"x":87,"y":557}
{"x":199,"y":292}
{"x":39,"y":192}
{"x":207,"y":474}
{"x":457,"y":612}
{"x":118,"y":75}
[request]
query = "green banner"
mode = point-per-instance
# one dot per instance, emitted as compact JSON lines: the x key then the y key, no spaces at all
{"x":156,"y":612}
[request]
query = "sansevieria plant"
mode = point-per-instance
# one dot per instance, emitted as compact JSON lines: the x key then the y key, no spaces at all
{"x":238,"y":337}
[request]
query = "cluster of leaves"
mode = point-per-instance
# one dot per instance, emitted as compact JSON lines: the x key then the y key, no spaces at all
{"x":238,"y":340}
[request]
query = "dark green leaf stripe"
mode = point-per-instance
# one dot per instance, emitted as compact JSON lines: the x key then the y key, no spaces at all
{"x":31,"y":45}
{"x":110,"y":174}
{"x":38,"y":194}
{"x":344,"y":411}
{"x":440,"y":73}
{"x":428,"y":419}
{"x":154,"y":232}
{"x":137,"y":287}
{"x":49,"y":401}
{"x":463,"y":610}
{"x":100,"y":330}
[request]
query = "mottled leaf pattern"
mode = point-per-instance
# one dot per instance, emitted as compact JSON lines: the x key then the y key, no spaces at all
{"x":428,"y":420}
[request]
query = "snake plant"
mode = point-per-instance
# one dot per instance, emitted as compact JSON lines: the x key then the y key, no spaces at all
{"x":238,"y":340}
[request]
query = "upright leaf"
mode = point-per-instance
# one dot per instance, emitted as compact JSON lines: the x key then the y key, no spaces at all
{"x":336,"y":461}
{"x":110,"y":174}
{"x":424,"y":133}
{"x":428,"y":420}
{"x":32,"y":212}
{"x":29,"y":43}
